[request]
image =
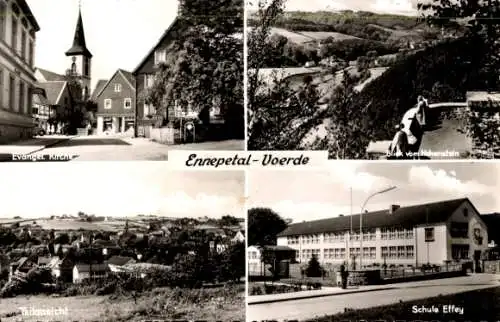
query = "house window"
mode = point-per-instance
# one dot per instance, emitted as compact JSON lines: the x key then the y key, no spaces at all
{"x":22,"y":108}
{"x":31,"y":53}
{"x":409,"y":233}
{"x":118,"y":88}
{"x":160,"y":56}
{"x":401,"y":252}
{"x":459,"y":251}
{"x":23,"y":44}
{"x":1,"y":88}
{"x":459,"y":230}
{"x":149,"y":109}
{"x":392,"y":252}
{"x":12,"y":91}
{"x":466,"y":212}
{"x":86,"y":66}
{"x":14,"y":33}
{"x":429,"y":234}
{"x":127,"y":103}
{"x":409,"y":252}
{"x":148,"y":81}
{"x":385,"y":252}
{"x":107,"y":103}
{"x":3,"y":15}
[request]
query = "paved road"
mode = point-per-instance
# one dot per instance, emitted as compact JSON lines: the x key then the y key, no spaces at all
{"x":329,"y":305}
{"x":111,"y":148}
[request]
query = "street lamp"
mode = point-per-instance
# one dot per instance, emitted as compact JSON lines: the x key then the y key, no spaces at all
{"x":361,"y":222}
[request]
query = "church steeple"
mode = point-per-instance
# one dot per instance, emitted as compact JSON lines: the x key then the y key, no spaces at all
{"x":79,"y":46}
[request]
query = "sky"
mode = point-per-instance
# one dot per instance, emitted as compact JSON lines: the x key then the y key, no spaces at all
{"x":119,"y":33}
{"x":37,"y":190}
{"x":404,"y":7}
{"x":309,"y":195}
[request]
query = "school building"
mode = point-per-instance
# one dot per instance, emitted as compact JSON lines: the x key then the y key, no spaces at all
{"x":432,"y":233}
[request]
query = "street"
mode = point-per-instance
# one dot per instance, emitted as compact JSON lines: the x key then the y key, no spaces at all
{"x":329,"y":305}
{"x":102,"y":148}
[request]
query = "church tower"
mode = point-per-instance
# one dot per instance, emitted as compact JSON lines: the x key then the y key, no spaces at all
{"x":80,"y":57}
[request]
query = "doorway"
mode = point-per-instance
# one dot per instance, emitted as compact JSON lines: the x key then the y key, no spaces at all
{"x":477,"y":261}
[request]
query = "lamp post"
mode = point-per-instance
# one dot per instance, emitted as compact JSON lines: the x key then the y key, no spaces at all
{"x":361,"y":222}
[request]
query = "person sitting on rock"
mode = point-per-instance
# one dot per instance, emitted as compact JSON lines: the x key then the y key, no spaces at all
{"x":399,"y":145}
{"x":422,"y":107}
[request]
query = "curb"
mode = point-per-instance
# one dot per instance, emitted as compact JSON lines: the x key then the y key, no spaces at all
{"x":51,"y":145}
{"x":319,"y":295}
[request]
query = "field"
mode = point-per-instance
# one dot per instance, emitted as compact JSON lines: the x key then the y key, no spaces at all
{"x":112,"y":225}
{"x":226,"y":304}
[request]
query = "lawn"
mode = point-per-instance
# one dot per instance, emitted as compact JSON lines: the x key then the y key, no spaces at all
{"x":223,"y":304}
{"x":481,"y":305}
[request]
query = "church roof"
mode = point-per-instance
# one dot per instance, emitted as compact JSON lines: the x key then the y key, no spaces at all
{"x":79,"y":46}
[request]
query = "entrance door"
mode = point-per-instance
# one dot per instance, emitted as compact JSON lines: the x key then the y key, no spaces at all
{"x":477,"y":261}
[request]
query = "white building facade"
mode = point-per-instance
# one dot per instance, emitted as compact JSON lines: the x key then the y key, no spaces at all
{"x":18,"y":29}
{"x":254,"y":260}
{"x":409,"y":236}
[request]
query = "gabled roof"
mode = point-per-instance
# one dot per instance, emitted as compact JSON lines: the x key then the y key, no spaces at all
{"x":79,"y":45}
{"x":54,"y":91}
{"x":44,"y":260}
{"x":104,"y":243}
{"x":129,"y":79}
{"x":95,"y":267}
{"x":98,"y":87}
{"x":50,"y":76}
{"x":40,"y":99}
{"x":120,"y":260}
{"x":432,"y":213}
{"x":151,"y":52}
{"x":27,"y":12}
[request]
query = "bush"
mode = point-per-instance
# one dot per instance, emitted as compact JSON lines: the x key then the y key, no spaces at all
{"x":314,"y":268}
{"x":256,"y":290}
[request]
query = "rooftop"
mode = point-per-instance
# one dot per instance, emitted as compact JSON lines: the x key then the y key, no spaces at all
{"x":409,"y":216}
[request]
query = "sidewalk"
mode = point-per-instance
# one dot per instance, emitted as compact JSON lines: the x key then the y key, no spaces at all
{"x":33,"y":145}
{"x":485,"y":278}
{"x":325,"y":291}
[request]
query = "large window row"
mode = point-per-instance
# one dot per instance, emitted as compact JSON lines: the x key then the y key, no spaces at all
{"x":391,"y":252}
{"x":21,"y":40}
{"x":398,"y":252}
{"x":368,"y":235}
{"x":395,"y":233}
{"x":334,"y":253}
{"x":19,"y":98}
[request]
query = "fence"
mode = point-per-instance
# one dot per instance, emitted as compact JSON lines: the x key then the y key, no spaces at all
{"x":492,"y":267}
{"x":163,"y":135}
{"x":411,"y":272}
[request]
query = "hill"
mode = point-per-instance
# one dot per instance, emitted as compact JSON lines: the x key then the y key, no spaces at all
{"x":367,"y":25}
{"x":441,"y":73}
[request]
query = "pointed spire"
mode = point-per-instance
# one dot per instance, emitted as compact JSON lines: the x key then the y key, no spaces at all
{"x":79,"y":46}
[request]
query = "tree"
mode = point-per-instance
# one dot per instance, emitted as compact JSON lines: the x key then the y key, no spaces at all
{"x":481,"y":18}
{"x":62,"y":239}
{"x":314,"y":268}
{"x":228,"y":220}
{"x":346,"y":137}
{"x":205,"y":65}
{"x":258,"y":53}
{"x":263,"y":226}
{"x":281,"y":119}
